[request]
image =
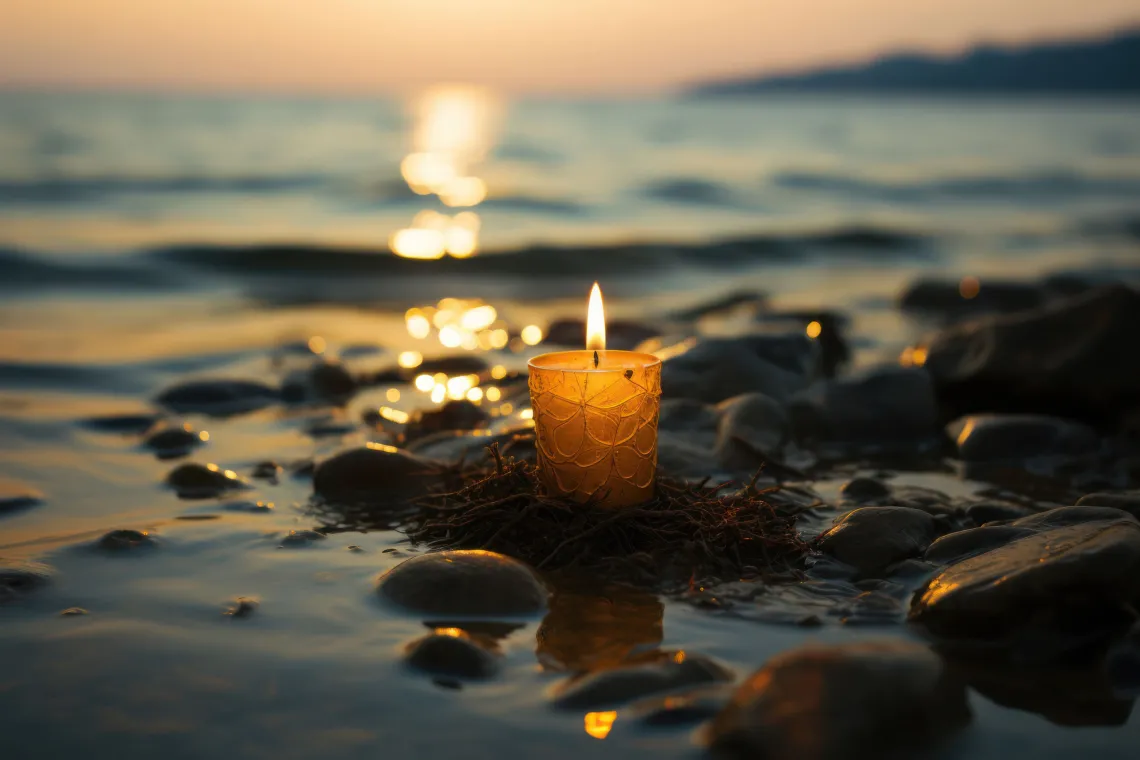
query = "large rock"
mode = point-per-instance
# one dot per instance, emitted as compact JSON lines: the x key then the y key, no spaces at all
{"x":719,"y":368}
{"x":993,"y":438}
{"x":1068,"y":358}
{"x":464,"y":583}
{"x":887,"y":405}
{"x":1128,"y":501}
{"x":871,"y":539}
{"x":374,"y":473}
{"x":752,"y":428}
{"x":966,"y":543}
{"x":1076,"y":579}
{"x":863,"y":700}
{"x":219,"y":398}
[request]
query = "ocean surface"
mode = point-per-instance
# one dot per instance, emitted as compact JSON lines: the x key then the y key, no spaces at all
{"x":149,"y":240}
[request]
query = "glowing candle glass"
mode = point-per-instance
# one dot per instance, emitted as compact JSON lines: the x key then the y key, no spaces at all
{"x":595,"y":419}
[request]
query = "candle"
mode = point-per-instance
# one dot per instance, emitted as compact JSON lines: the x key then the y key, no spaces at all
{"x":595,"y":418}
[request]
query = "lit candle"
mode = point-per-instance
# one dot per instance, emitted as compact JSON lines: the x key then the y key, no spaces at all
{"x":595,"y":418}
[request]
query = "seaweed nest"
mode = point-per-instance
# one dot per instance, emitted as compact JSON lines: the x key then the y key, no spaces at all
{"x":687,"y":534}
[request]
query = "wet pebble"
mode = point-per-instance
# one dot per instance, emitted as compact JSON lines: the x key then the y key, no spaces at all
{"x":332,"y":380}
{"x":127,"y":539}
{"x":1128,"y":501}
{"x":864,"y":489}
{"x":297,"y":539}
{"x":73,"y":612}
{"x":175,"y":441}
{"x":16,"y":496}
{"x":451,"y":653}
{"x":123,"y":424}
{"x":374,"y":472}
{"x":834,"y":702}
{"x":21,"y":576}
{"x":242,"y":607}
{"x":716,"y":369}
{"x":203,"y":481}
{"x":219,"y":398}
{"x":248,"y":506}
{"x":464,"y":583}
{"x":870,"y":539}
{"x":1019,"y":437}
{"x":610,"y":688}
{"x":885,"y":405}
{"x":752,"y":428}
{"x":983,"y":512}
{"x":689,"y":708}
{"x":1056,"y":590}
{"x":454,"y":415}
{"x":966,"y":543}
{"x":266,"y":470}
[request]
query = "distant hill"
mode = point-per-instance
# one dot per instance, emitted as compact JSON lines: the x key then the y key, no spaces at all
{"x":1100,"y":66}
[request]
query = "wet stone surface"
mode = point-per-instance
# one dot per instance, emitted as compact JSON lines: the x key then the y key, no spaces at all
{"x":18,"y":577}
{"x":219,"y":398}
{"x":175,"y":441}
{"x":203,"y":481}
{"x":298,"y":539}
{"x":464,"y":583}
{"x":871,"y":539}
{"x":127,"y":540}
{"x":611,"y":688}
{"x":452,"y":653}
{"x":374,"y":473}
{"x":835,"y":702}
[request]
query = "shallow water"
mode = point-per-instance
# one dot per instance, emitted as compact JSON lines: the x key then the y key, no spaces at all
{"x":832,"y":204}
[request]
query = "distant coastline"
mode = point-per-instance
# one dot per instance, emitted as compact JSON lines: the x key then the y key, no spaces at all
{"x":1102,"y":66}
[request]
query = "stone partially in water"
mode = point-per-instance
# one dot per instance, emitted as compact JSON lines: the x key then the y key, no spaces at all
{"x":379,"y":473}
{"x":1076,"y":580}
{"x":871,"y":539}
{"x":297,"y":539}
{"x":1127,"y":501}
{"x":16,"y":497}
{"x":983,"y":512}
{"x":752,"y":427}
{"x":454,"y":415}
{"x":850,"y":701}
{"x":686,"y":709}
{"x":175,"y":441}
{"x":266,"y":470}
{"x":953,"y":300}
{"x":203,"y":481}
{"x":716,"y":369}
{"x":126,"y":539}
{"x":864,"y":489}
{"x":464,"y":583}
{"x":1018,"y":437}
{"x":966,"y":543}
{"x":219,"y":398}
{"x":123,"y":424}
{"x":1062,"y":516}
{"x":889,"y":405}
{"x":21,"y":576}
{"x":452,"y":653}
{"x":1069,"y":357}
{"x":609,"y":688}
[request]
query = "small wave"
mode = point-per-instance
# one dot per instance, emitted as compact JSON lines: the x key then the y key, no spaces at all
{"x":1037,"y":186}
{"x":690,"y":191}
{"x":21,"y":272}
{"x":78,"y":189}
{"x":534,"y":204}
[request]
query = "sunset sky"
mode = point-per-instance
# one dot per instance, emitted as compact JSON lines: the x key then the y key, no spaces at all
{"x":531,"y":46}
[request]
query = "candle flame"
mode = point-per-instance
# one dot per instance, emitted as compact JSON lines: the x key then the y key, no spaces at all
{"x":596,"y":322}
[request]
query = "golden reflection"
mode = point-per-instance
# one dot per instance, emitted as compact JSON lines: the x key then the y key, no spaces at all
{"x":967,"y":429}
{"x":475,"y":395}
{"x":393,"y":394}
{"x":969,"y":287}
{"x":493,"y":394}
{"x":410,"y":359}
{"x":913,"y":356}
{"x":438,"y":393}
{"x":599,"y":724}
{"x":498,"y":372}
{"x":317,"y":344}
{"x":382,"y":447}
{"x":589,"y":629}
{"x":454,"y":129}
{"x":394,"y":415}
{"x":814,"y":329}
{"x":526,"y":414}
{"x":424,"y":383}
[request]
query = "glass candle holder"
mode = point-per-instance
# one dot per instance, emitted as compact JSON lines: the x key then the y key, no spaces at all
{"x":595,"y":421}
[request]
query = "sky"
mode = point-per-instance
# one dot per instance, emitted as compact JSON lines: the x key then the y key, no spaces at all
{"x":517,"y":46}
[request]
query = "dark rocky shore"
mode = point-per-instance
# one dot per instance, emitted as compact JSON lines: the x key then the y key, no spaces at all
{"x":1027,"y":590}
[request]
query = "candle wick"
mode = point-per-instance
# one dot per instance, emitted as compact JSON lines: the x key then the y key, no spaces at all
{"x":595,"y":360}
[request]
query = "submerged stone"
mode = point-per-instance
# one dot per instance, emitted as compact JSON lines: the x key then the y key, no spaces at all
{"x":373,"y":473}
{"x":451,"y":653}
{"x":839,"y":702}
{"x":123,"y":424}
{"x":464,"y":583}
{"x":173,"y":442}
{"x":266,"y":470}
{"x":219,"y":398}
{"x":126,"y":539}
{"x":203,"y":481}
{"x":1075,"y":579}
{"x":454,"y":415}
{"x":16,"y":497}
{"x":609,"y":688}
{"x":21,"y":576}
{"x":300,"y":538}
{"x":871,"y":539}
